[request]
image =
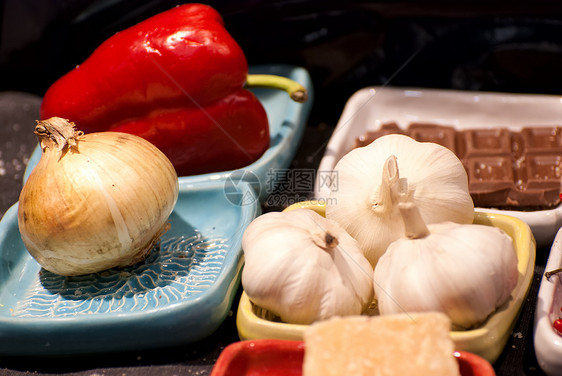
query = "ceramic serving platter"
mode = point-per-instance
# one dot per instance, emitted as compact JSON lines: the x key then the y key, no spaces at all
{"x":369,"y":108}
{"x":287,"y":120}
{"x":282,"y":357}
{"x":487,"y":341}
{"x":548,"y":342}
{"x":181,"y":293}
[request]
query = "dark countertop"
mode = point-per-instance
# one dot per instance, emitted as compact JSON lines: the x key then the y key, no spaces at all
{"x":475,"y":45}
{"x":18,"y":112}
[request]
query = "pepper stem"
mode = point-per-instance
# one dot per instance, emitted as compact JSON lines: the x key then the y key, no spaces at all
{"x":415,"y":227}
{"x":57,"y":132}
{"x":295,"y":90}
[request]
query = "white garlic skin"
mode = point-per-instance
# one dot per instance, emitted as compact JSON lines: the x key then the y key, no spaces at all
{"x":99,"y":205}
{"x":434,"y":179}
{"x":290,"y":272}
{"x":464,"y":271}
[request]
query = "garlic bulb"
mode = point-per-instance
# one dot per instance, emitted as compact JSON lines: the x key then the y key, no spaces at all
{"x":372,"y":180}
{"x":464,"y":271}
{"x":303,"y":267}
{"x":94,"y":201}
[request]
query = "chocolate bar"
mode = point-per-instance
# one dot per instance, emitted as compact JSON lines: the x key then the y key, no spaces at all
{"x":506,"y":169}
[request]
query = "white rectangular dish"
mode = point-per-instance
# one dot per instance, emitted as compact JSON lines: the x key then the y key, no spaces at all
{"x":548,"y":343}
{"x":369,"y":108}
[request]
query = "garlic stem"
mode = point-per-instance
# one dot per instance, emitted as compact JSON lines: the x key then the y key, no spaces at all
{"x":415,"y":227}
{"x":392,"y":189}
{"x":57,"y":132}
{"x":552,"y":272}
{"x":331,"y":241}
{"x":325,"y":240}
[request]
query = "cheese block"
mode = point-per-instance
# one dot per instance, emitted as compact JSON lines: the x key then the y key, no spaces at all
{"x":398,"y":344}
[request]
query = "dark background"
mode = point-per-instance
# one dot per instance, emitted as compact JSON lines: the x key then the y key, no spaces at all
{"x":510,"y":46}
{"x":507,"y":46}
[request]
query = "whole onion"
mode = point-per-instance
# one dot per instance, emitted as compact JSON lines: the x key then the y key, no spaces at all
{"x":94,"y":201}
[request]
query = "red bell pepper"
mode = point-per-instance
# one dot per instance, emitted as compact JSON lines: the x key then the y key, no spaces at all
{"x":177,"y":79}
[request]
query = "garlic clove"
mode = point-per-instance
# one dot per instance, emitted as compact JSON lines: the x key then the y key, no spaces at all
{"x":303,"y":268}
{"x":464,"y":271}
{"x":372,"y":180}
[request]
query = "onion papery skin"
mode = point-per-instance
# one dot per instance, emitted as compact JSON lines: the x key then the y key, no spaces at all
{"x":101,"y":204}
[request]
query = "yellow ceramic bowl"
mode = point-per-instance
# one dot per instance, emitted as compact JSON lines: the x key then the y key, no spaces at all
{"x":487,"y":341}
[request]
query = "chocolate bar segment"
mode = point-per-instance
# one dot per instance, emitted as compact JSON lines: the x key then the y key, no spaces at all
{"x":506,"y":169}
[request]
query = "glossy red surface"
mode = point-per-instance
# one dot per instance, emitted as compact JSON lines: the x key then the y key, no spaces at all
{"x":473,"y":365}
{"x":261,"y":357}
{"x":557,"y":326}
{"x":271,"y":357}
{"x":175,"y":79}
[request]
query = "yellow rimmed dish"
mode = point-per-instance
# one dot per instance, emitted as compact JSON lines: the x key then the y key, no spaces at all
{"x":487,"y":341}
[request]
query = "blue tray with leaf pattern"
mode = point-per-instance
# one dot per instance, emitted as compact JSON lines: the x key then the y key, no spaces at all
{"x":287,"y":121}
{"x":181,"y":293}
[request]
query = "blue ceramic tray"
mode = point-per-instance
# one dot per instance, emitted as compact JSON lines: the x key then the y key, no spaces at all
{"x":181,"y":293}
{"x":287,"y":120}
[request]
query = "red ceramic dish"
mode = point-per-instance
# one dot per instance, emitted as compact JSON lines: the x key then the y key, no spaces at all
{"x":275,"y":357}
